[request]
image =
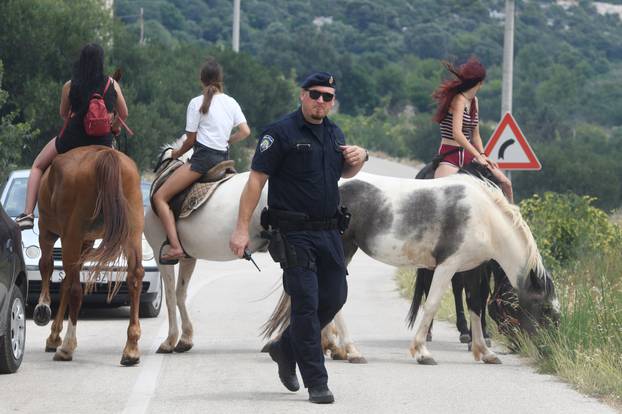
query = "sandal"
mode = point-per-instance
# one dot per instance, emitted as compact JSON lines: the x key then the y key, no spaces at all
{"x":173,"y":260}
{"x":25,"y":221}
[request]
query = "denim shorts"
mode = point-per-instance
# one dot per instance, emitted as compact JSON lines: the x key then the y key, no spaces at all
{"x":203,"y":158}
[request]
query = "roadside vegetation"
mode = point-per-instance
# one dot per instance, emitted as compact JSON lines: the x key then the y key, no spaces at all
{"x":581,"y":245}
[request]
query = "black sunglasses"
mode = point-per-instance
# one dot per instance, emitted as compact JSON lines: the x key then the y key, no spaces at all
{"x":326,"y":96}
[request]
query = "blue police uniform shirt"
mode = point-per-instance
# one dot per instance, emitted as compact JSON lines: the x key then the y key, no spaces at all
{"x":304,"y":164}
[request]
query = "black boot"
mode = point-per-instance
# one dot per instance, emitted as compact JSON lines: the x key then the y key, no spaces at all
{"x":320,"y":394}
{"x":287,"y":369}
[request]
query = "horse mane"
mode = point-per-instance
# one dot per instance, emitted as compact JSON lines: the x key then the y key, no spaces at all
{"x":176,"y":145}
{"x":512,"y":211}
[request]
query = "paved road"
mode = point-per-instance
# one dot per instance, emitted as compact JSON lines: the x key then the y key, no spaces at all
{"x":226,"y":373}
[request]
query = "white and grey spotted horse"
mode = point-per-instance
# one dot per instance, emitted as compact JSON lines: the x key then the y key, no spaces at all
{"x":452,"y":224}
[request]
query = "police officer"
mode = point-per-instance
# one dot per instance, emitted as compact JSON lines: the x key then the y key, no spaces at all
{"x":303,"y":156}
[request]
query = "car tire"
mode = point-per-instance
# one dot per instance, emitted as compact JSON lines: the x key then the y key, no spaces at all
{"x":152,"y":308}
{"x":13,"y":343}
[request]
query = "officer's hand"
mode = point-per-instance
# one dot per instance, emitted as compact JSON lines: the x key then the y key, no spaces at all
{"x":353,"y":154}
{"x":238,"y":242}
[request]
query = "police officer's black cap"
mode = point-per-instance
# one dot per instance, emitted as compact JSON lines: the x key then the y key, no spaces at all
{"x":319,"y":79}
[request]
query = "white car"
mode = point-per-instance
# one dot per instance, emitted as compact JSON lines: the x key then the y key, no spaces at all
{"x":13,"y":199}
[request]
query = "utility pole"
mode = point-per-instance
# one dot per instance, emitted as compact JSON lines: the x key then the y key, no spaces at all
{"x":508,"y":58}
{"x":141,"y":17}
{"x":508,"y":62}
{"x":236,"y":26}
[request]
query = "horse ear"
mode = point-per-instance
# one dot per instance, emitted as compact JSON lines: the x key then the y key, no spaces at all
{"x":536,"y":281}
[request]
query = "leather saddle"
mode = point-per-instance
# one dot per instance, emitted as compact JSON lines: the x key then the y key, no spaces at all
{"x":193,"y":197}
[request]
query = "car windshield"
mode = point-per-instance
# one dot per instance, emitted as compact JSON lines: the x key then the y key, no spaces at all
{"x":16,"y":197}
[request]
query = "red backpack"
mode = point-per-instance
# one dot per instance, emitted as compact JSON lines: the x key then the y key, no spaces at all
{"x":97,"y":120}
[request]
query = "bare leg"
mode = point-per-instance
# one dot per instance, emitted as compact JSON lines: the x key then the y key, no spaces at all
{"x":444,"y":169}
{"x":42,"y":162}
{"x":504,"y":183}
{"x":186,"y":267}
{"x":181,"y":179}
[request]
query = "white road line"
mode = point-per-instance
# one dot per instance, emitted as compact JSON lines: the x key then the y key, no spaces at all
{"x":151,"y":363}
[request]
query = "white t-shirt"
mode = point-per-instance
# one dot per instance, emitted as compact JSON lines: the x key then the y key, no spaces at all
{"x":214,"y":128}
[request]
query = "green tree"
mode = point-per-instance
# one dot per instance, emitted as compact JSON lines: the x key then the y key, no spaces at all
{"x":13,"y":136}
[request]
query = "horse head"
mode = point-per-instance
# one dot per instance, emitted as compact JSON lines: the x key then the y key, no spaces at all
{"x":532,"y":306}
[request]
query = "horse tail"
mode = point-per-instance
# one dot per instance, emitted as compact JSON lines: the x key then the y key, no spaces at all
{"x":111,"y":207}
{"x":279,"y":319}
{"x":417,"y":298}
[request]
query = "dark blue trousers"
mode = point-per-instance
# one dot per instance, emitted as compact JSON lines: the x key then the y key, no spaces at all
{"x":316,"y":296}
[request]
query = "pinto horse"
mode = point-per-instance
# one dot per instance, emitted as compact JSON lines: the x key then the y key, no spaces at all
{"x":451,"y":224}
{"x":90,"y":193}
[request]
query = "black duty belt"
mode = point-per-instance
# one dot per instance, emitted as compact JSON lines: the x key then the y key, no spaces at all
{"x":327,"y":224}
{"x":293,"y":221}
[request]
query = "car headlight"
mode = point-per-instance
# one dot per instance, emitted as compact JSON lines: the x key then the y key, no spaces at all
{"x":33,"y":252}
{"x":147,"y":251}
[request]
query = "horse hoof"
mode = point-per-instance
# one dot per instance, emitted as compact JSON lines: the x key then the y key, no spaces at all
{"x":183,"y":346}
{"x":357,"y":360}
{"x":492,"y":360}
{"x":488,"y":342}
{"x":465,"y":338}
{"x":129,"y":361}
{"x":426,"y":360}
{"x":61,"y":355}
{"x":266,"y":347}
{"x":42,"y":315}
{"x":338,"y":355}
{"x":428,"y":337}
{"x":50,"y":348}
{"x":164,"y":350}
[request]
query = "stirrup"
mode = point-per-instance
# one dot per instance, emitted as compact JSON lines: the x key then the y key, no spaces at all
{"x":170,"y":261}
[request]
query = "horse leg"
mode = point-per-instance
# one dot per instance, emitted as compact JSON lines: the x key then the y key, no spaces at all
{"x":457,"y":285}
{"x":478,"y":346}
{"x":134,"y":281}
{"x":353,"y":354}
{"x":329,"y":342}
{"x":186,"y":267}
{"x":54,"y":340}
{"x":440,"y":282}
{"x":484,"y":295}
{"x":72,"y":292}
{"x":422,"y":286}
{"x":167,"y":272}
{"x":43,"y":313}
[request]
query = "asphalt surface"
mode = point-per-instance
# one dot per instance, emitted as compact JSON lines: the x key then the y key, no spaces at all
{"x":226,"y":373}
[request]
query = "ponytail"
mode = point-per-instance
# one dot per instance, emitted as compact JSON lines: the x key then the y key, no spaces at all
{"x":208,"y":93}
{"x":212,"y":80}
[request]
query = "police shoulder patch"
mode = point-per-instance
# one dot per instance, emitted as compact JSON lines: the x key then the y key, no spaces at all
{"x":266,"y":142}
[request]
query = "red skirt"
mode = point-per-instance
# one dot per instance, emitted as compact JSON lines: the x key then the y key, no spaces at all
{"x":459,"y":158}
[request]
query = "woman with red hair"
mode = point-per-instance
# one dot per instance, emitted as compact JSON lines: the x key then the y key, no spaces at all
{"x":457,"y":115}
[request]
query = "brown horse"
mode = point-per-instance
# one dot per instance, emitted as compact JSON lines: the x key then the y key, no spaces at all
{"x":90,"y":193}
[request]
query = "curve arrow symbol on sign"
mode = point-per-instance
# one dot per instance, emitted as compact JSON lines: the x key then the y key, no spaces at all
{"x":503,"y":147}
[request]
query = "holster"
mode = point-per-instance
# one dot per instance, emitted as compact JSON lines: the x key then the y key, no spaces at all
{"x":343,"y":219}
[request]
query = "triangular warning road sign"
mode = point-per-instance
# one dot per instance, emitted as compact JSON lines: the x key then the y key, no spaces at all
{"x":509,"y":148}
